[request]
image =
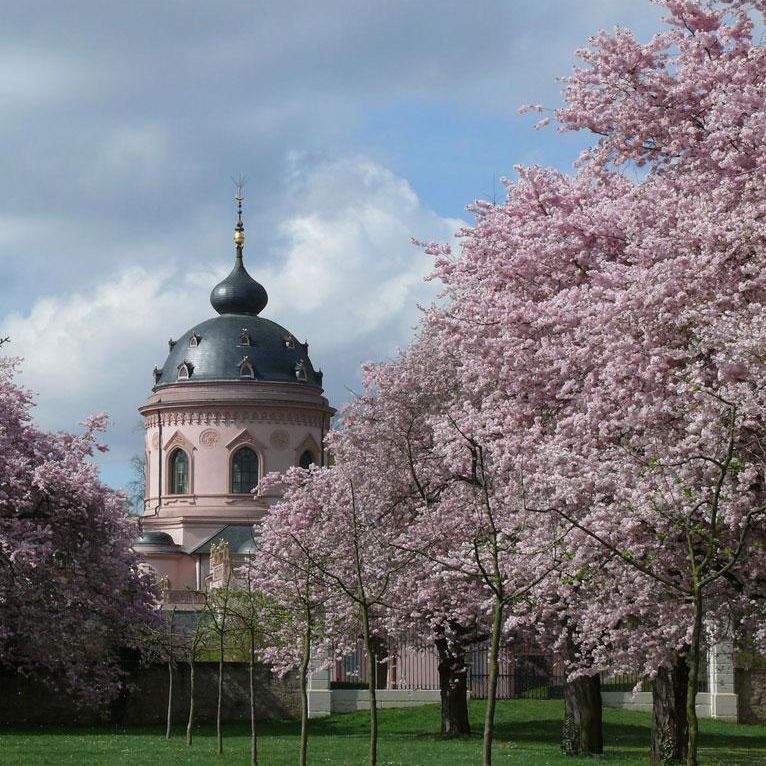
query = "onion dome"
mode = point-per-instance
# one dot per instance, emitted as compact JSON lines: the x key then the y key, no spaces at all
{"x":238,"y":345}
{"x":239,"y":293}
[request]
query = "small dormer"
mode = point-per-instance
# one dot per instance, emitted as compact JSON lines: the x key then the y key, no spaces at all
{"x":244,"y":337}
{"x":185,"y":370}
{"x":156,"y":375}
{"x":289,"y":341}
{"x":246,"y":368}
{"x":194,"y":340}
{"x":300,"y":371}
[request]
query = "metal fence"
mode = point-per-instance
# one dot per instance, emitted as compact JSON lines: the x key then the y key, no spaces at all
{"x":523,"y":672}
{"x":400,"y":666}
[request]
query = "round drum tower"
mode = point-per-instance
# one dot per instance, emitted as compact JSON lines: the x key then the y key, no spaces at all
{"x":236,"y":398}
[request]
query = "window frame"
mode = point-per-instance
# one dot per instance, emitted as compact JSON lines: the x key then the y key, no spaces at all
{"x":172,"y":457}
{"x":258,"y":468}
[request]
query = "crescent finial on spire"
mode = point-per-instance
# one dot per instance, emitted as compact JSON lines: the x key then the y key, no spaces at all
{"x":239,"y":229}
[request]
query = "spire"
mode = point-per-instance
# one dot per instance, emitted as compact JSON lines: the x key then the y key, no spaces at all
{"x":239,"y":293}
{"x":239,"y":229}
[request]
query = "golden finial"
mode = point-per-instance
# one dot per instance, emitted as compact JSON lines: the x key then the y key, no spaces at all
{"x":239,"y":229}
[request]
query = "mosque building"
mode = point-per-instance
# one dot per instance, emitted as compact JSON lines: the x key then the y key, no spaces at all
{"x":236,"y":398}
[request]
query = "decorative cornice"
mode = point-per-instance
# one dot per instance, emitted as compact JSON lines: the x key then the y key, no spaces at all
{"x":231,"y":417}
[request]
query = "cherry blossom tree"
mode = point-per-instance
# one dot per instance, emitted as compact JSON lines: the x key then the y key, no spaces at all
{"x":449,"y":503}
{"x":340,"y":531}
{"x":65,"y":557}
{"x":283,"y":569}
{"x":390,"y":427}
{"x":617,"y":326}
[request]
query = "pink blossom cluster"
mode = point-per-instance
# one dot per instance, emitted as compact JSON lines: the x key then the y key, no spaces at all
{"x":72,"y":595}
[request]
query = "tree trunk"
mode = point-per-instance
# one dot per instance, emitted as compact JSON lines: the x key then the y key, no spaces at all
{"x":304,"y":694}
{"x":453,"y":688}
{"x":253,"y":736}
{"x":494,"y":653}
{"x":218,"y":731}
{"x":171,"y":621}
{"x":371,"y":678}
{"x":670,"y":730}
{"x":170,"y":700}
{"x":694,"y":669}
{"x":192,"y":682}
{"x":583,"y":733}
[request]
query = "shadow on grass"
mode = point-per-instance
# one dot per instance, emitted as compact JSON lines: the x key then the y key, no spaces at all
{"x":528,"y":723}
{"x":630,"y":735}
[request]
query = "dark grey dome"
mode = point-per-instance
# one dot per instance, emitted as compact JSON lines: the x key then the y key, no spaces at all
{"x":218,"y":349}
{"x":154,"y":538}
{"x":238,"y":344}
{"x":239,"y":293}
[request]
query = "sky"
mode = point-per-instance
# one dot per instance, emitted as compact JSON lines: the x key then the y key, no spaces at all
{"x":358,"y":126}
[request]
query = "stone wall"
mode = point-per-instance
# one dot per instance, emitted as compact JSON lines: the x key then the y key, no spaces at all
{"x":145,"y":702}
{"x":751,"y":688}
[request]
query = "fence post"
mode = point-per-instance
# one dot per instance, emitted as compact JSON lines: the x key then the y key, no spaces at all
{"x":319,"y":691}
{"x":723,"y":699}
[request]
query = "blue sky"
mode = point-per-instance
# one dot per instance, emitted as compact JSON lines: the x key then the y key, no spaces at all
{"x":358,"y":126}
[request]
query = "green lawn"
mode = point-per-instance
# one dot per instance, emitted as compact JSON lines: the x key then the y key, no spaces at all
{"x":528,"y":732}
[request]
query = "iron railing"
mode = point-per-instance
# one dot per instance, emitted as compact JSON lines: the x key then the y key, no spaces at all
{"x":523,"y":672}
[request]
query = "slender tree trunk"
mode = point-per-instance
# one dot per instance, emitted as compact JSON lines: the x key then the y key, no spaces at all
{"x":170,"y":700}
{"x":192,"y":682}
{"x":218,"y":731}
{"x":583,"y":732}
{"x":453,"y":688}
{"x":171,"y":620}
{"x":253,"y":736}
{"x":305,"y":660}
{"x":371,"y":685}
{"x":694,"y":669}
{"x":670,"y":730}
{"x":494,"y":653}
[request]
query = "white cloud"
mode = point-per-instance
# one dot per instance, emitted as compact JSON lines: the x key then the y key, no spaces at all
{"x":348,"y":255}
{"x":346,"y":275}
{"x":87,"y":352}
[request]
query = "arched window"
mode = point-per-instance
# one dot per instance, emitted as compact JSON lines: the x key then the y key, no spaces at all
{"x":244,"y":337}
{"x":179,"y":473}
{"x":244,"y":471}
{"x":246,"y":368}
{"x":306,"y":459}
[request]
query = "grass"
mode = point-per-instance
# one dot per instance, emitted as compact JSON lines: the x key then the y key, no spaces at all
{"x":527,"y":734}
